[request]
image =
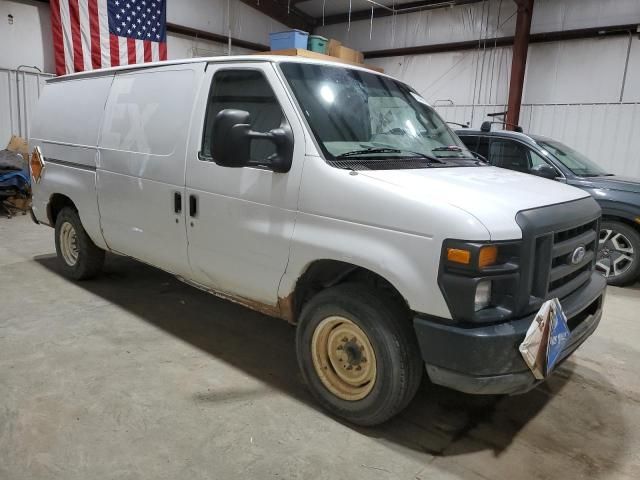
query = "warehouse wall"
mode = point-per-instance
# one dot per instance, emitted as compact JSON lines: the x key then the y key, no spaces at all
{"x":28,"y":41}
{"x":491,"y":18}
{"x":575,"y":91}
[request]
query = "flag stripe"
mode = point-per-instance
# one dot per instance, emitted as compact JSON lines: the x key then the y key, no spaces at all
{"x":147,"y":50}
{"x":66,"y":31}
{"x":105,"y":37}
{"x":94,"y":28}
{"x":74,"y":15}
{"x":58,"y":42}
{"x":139,"y":51}
{"x":85,"y":33}
{"x":131,"y":47}
{"x":124,"y":51}
{"x":114,"y":50}
{"x":155,"y":52}
{"x":163,"y":50}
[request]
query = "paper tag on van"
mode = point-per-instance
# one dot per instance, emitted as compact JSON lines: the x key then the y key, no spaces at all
{"x":545,"y":339}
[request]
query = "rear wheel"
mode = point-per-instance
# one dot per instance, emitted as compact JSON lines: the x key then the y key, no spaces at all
{"x":79,"y":257}
{"x":618,"y":253}
{"x":358,"y":354}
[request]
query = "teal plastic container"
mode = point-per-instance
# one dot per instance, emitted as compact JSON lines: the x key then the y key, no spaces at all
{"x":317,"y":44}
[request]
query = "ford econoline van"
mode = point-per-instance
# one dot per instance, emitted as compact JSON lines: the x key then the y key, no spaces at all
{"x":327,"y":195}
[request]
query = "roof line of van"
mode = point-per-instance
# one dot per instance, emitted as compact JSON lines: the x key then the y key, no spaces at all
{"x":220,"y":59}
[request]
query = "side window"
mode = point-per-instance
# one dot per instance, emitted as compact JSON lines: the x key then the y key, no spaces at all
{"x":509,"y":154}
{"x":536,"y":160}
{"x":246,"y":90}
{"x":477,"y":144}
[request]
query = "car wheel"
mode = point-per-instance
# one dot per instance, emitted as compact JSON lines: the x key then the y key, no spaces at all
{"x":618,"y":253}
{"x":79,"y":257}
{"x":358,"y":354}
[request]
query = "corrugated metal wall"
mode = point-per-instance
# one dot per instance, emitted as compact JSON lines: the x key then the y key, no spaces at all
{"x":19,"y":92}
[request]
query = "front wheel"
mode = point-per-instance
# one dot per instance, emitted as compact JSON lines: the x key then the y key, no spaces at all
{"x":79,"y":257}
{"x":618,"y":253}
{"x":358,"y":354}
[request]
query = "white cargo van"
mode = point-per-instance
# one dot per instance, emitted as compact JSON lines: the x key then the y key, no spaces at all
{"x":327,"y":195}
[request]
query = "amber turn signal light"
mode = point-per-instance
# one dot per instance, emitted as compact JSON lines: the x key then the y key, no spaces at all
{"x":458,"y":255}
{"x":36,"y":164}
{"x":488,"y":256}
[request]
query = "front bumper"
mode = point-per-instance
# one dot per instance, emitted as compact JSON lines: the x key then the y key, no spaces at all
{"x":485,"y":359}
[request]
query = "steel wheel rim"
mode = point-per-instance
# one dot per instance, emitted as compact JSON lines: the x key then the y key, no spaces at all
{"x":69,"y":244}
{"x":616,"y":254}
{"x":343,"y":358}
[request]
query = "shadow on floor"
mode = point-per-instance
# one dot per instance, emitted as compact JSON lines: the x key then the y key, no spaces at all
{"x":439,"y":421}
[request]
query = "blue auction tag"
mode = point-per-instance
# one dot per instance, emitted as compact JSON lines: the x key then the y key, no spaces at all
{"x":558,"y":336}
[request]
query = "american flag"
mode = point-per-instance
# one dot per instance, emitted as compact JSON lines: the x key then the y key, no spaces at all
{"x":90,"y":34}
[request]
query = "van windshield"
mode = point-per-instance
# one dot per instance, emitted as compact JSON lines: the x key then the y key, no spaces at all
{"x":368,"y":117}
{"x":572,"y":159}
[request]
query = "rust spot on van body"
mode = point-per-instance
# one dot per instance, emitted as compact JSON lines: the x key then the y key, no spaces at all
{"x":286,"y":306}
{"x":282,"y":309}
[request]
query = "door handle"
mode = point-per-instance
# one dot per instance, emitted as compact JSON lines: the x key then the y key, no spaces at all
{"x":193,"y":206}
{"x":177,"y":202}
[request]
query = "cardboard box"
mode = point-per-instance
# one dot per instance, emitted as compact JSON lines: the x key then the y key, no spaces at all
{"x":18,"y":145}
{"x":332,"y":47}
{"x":348,"y":54}
{"x":319,"y":56}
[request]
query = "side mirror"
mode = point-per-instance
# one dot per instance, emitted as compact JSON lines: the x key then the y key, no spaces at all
{"x":545,"y":171}
{"x":231,"y":138}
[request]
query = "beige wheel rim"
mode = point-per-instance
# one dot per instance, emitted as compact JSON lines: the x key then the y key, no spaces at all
{"x":69,"y":244}
{"x":343,"y":358}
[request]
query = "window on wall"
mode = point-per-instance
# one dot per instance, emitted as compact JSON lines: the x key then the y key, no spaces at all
{"x":246,"y":90}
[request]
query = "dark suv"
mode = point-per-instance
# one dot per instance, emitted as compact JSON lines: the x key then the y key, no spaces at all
{"x":619,"y":247}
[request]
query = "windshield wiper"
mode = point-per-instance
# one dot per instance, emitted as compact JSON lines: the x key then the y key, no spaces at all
{"x":450,"y":148}
{"x":375,"y":150}
{"x":355,"y":153}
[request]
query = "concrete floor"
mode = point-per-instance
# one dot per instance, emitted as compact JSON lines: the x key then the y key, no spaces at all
{"x":135,"y":375}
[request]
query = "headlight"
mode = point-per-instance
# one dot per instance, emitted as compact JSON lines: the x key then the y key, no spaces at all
{"x":483,"y":295}
{"x":476,"y":257}
{"x":480,"y":280}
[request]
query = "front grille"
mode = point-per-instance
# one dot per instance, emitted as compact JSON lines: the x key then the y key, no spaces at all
{"x":565,"y":276}
{"x":551,"y":236}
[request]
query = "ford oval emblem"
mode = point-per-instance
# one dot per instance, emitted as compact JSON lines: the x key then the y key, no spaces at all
{"x":578,"y":255}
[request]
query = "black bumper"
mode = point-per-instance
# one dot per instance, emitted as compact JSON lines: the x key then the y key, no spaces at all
{"x":485,"y":359}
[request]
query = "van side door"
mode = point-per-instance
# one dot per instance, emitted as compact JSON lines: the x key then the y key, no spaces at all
{"x":141,"y":167}
{"x":241,"y":220}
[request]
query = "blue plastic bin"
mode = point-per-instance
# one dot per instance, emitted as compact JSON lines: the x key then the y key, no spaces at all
{"x":288,"y":39}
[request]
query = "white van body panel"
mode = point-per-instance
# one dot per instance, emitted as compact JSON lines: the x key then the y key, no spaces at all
{"x":239,"y":240}
{"x":142,"y":163}
{"x":66,"y":128}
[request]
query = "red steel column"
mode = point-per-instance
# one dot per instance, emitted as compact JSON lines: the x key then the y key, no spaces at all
{"x":519,"y":61}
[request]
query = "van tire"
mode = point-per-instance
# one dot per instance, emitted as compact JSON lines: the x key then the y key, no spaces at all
{"x":79,"y":257}
{"x":398,"y":363}
{"x":629,"y":237}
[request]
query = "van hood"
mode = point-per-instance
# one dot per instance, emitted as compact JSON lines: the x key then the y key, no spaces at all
{"x":492,"y":195}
